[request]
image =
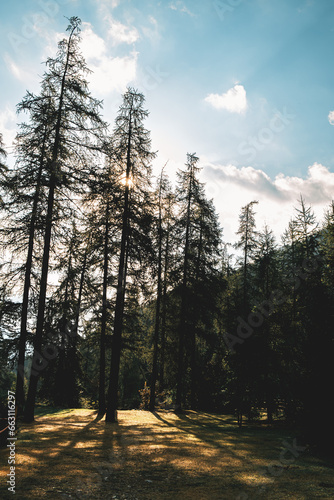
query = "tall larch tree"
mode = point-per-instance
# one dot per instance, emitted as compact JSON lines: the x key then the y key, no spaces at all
{"x":26,"y":190}
{"x":132,"y":155}
{"x":188,"y":193}
{"x":247,"y":244}
{"x":77,"y":122}
{"x":162,"y":234}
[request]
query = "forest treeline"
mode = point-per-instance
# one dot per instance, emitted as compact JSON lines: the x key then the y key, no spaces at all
{"x":117,"y":290}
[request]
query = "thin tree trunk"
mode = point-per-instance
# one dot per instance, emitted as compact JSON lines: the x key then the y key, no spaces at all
{"x":111,"y":415}
{"x":112,"y":404}
{"x":193,"y":380}
{"x":164,"y":315}
{"x":37,"y":361}
{"x":61,"y":378}
{"x":157,"y":312}
{"x":82,"y":279}
{"x":245,"y":287}
{"x":20,"y":398}
{"x":73,"y":334}
{"x":102,"y":384}
{"x":182,"y":324}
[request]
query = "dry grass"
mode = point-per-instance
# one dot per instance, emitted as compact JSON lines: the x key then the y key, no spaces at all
{"x":72,"y":455}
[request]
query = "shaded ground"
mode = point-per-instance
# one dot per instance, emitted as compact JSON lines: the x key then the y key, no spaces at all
{"x":71,"y":455}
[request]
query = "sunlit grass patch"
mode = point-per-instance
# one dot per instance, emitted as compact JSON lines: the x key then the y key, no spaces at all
{"x":71,"y":454}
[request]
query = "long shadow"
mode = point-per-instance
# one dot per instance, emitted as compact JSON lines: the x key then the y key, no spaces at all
{"x":151,"y":474}
{"x":190,"y":428}
{"x":113,"y":466}
{"x":142,"y":460}
{"x":68,"y":429}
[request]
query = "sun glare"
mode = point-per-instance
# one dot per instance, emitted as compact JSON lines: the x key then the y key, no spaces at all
{"x":126,"y":181}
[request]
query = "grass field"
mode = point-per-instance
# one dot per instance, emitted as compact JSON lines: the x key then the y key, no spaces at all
{"x":69,"y":454}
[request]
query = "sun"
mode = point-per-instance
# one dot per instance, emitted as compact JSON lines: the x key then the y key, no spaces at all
{"x":126,"y":181}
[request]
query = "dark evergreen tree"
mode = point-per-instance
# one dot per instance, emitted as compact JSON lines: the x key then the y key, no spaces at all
{"x":204,"y":289}
{"x":264,"y":354}
{"x":104,"y":224}
{"x":189,"y":189}
{"x":168,"y":254}
{"x":157,"y":327}
{"x":248,"y":244}
{"x":25,"y":187}
{"x":196,"y":271}
{"x":131,"y":153}
{"x":76,"y":124}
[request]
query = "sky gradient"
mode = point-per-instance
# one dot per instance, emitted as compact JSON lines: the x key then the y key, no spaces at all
{"x":247,"y":85}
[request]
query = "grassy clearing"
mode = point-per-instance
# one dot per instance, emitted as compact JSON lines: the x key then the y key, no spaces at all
{"x":69,"y":454}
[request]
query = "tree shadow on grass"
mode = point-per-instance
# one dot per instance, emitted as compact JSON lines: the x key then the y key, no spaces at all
{"x":153,"y":457}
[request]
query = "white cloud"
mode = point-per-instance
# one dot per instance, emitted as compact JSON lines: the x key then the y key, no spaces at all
{"x":153,"y":20}
{"x":120,"y":33}
{"x":19,"y":72}
{"x":179,"y":6}
{"x":331,"y":117}
{"x":104,"y":3}
{"x":109,"y":73}
{"x":233,"y":187}
{"x":317,"y":187}
{"x":234,"y":100}
{"x":8,"y":127}
{"x":151,"y":31}
{"x":92,"y":46}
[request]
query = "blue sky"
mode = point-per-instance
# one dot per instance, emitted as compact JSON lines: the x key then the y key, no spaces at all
{"x":246,"y":84}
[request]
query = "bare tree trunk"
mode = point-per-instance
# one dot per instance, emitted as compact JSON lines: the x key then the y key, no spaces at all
{"x":112,"y":404}
{"x":20,"y":398}
{"x":37,"y":360}
{"x":102,"y":384}
{"x":82,"y":279}
{"x":193,"y":346}
{"x":157,"y":311}
{"x":184,"y":303}
{"x":164,"y":313}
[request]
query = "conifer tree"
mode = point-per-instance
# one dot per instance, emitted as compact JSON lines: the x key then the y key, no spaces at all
{"x":26,"y":186}
{"x":189,"y":189}
{"x":168,"y":253}
{"x":131,"y":153}
{"x":103,"y":223}
{"x":162,"y":235}
{"x":265,"y":367}
{"x":76,"y":124}
{"x":247,"y":243}
{"x":204,"y":288}
{"x":305,"y":225}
